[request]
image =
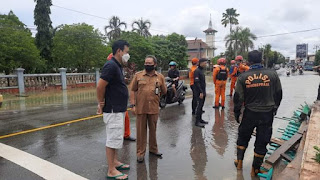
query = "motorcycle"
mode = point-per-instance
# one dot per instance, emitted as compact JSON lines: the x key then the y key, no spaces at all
{"x":169,"y":97}
{"x":300,"y":71}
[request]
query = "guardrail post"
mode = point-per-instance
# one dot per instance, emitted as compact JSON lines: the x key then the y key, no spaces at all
{"x":97,"y":75}
{"x":63,"y":73}
{"x":20,"y":81}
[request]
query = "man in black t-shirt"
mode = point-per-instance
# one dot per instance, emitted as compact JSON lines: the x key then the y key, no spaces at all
{"x":112,"y":95}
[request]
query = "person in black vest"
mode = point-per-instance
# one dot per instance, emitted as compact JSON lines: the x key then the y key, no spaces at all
{"x":200,"y":91}
{"x":259,"y":90}
{"x":220,"y":76}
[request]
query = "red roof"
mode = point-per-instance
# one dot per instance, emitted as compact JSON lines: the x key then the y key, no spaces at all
{"x":195,"y":44}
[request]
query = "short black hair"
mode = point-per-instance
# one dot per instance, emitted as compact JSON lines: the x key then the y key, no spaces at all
{"x":153,"y":57}
{"x":203,"y":60}
{"x":255,"y":56}
{"x":120,"y":44}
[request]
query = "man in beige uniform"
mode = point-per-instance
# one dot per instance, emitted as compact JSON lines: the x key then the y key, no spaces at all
{"x":148,"y":86}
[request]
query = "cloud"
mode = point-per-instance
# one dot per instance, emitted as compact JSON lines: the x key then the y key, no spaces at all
{"x":190,"y":18}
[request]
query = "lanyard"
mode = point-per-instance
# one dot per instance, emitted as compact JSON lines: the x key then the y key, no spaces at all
{"x":256,"y":66}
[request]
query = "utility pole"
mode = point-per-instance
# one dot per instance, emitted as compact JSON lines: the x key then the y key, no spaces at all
{"x":316,"y":47}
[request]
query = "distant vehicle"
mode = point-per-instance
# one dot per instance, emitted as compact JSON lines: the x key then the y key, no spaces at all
{"x":300,"y":71}
{"x":288,"y":72}
{"x":308,"y":66}
{"x":277,"y":67}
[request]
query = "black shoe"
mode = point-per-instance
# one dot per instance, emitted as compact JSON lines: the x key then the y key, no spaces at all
{"x":199,"y":124}
{"x":204,"y":122}
{"x":216,"y":107}
{"x":140,"y":159}
{"x":129,"y":138}
{"x":156,"y":154}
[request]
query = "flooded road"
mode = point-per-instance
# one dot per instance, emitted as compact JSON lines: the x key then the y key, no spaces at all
{"x":189,"y":152}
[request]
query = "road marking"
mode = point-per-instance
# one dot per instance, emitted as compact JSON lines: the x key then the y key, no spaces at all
{"x":50,"y":126}
{"x":59,"y":124}
{"x":42,"y":168}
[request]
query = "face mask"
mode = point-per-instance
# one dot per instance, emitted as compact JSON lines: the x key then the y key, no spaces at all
{"x":149,"y":68}
{"x":125,"y":58}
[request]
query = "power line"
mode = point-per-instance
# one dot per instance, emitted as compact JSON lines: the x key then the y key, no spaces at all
{"x":294,"y":32}
{"x":262,"y":36}
{"x":92,"y":15}
{"x":280,"y":34}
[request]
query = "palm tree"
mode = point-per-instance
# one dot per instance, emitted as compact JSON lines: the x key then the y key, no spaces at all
{"x":246,"y":40}
{"x":142,"y":27}
{"x":233,"y":40}
{"x":230,"y":17}
{"x":267,"y":54}
{"x":240,"y":40}
{"x":113,"y":30}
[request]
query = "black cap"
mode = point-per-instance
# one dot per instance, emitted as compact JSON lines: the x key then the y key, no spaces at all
{"x":203,"y":60}
{"x":255,"y":56}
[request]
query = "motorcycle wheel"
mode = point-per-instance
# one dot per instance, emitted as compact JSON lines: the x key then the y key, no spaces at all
{"x":181,"y":99}
{"x":162,"y":103}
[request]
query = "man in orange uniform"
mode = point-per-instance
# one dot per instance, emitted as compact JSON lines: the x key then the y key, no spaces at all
{"x":195,"y":62}
{"x":127,"y":132}
{"x":220,"y":76}
{"x":233,"y":74}
{"x":241,"y":66}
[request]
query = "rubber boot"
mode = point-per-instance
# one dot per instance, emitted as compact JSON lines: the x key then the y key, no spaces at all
{"x":256,"y":164}
{"x":240,"y":155}
{"x":198,"y":121}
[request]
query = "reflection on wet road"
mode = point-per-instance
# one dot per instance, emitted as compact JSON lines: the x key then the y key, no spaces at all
{"x":189,"y":152}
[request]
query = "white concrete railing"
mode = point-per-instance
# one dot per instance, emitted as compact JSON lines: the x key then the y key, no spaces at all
{"x":22,"y":81}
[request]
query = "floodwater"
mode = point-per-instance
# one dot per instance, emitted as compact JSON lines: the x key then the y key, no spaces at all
{"x":189,"y":152}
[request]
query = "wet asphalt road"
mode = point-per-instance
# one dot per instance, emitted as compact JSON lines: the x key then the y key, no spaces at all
{"x":189,"y":152}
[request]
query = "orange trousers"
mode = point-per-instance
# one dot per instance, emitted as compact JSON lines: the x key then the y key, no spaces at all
{"x":220,"y":90}
{"x":233,"y":85}
{"x":127,"y":125}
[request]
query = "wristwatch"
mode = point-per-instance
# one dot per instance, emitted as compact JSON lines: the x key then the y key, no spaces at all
{"x":132,"y":105}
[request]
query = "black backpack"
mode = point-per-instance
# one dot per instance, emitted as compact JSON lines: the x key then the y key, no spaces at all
{"x":222,"y":75}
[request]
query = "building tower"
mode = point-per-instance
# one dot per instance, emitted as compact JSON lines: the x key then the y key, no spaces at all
{"x":210,"y":39}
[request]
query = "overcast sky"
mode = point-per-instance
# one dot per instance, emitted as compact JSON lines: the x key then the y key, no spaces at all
{"x":191,"y":17}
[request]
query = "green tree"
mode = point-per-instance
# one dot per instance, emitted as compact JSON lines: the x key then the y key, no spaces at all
{"x":139,"y":48}
{"x":160,"y":46}
{"x":142,"y":27}
{"x":230,"y":17}
{"x":317,"y":60}
{"x":44,"y":27}
{"x":267,"y":54}
{"x":79,"y":46}
{"x":113,"y":30}
{"x":233,"y":42}
{"x":178,"y":49}
{"x":246,"y":40}
{"x":239,"y":41}
{"x":17,"y":48}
